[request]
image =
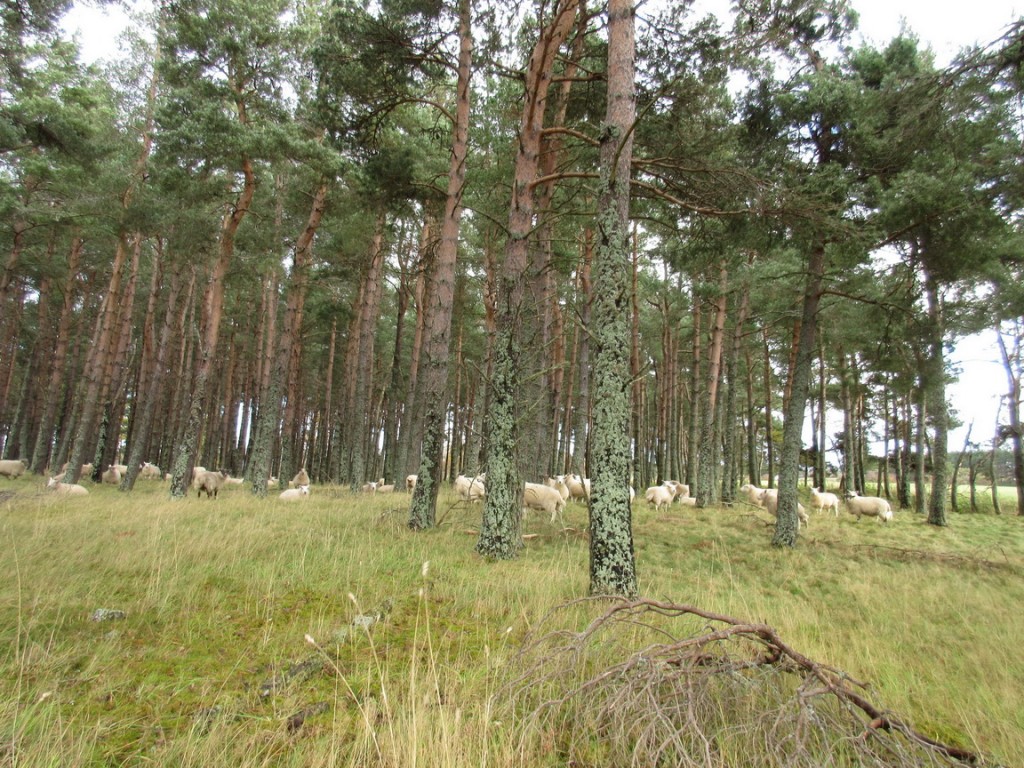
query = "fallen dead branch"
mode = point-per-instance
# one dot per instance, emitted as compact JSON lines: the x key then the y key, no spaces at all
{"x":656,"y":683}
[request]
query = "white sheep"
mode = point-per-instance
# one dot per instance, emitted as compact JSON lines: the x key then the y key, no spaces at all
{"x":197,"y":472}
{"x":236,"y":481}
{"x":753,"y":493}
{"x":558,"y":483}
{"x":122,"y":468}
{"x":543,"y":498}
{"x":210,"y":482}
{"x":86,"y":470}
{"x":659,"y":496}
{"x":370,"y":487}
{"x":770,"y":501}
{"x":12,"y":468}
{"x":301,"y":478}
{"x":868,"y":506}
{"x":824,"y":500}
{"x":112,"y":476}
{"x":149,"y":471}
{"x":680,"y":490}
{"x":295,"y":494}
{"x":66,"y":489}
{"x":410,"y":482}
{"x":579,"y":488}
{"x":471,"y":488}
{"x":389,"y":488}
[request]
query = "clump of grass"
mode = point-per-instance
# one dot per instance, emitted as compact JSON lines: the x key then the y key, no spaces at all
{"x":220,"y":595}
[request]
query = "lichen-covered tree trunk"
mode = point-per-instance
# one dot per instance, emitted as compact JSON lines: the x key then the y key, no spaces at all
{"x":438,"y":322}
{"x":705,"y":491}
{"x":730,"y":438}
{"x":612,"y":560}
{"x":787,"y":522}
{"x":769,"y":421}
{"x":500,"y":534}
{"x":581,"y":411}
{"x":937,"y":407}
{"x":696,"y":390}
{"x":845,"y":389}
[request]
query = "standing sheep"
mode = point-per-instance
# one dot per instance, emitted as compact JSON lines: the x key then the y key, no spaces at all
{"x":210,"y":482}
{"x":868,"y":506}
{"x":659,"y":496}
{"x":471,"y":488}
{"x":112,"y":476}
{"x":544,"y":498}
{"x":410,"y":482}
{"x":295,"y":494}
{"x":753,"y":493}
{"x":823,"y":500}
{"x":149,"y":471}
{"x":770,"y":501}
{"x":12,"y":468}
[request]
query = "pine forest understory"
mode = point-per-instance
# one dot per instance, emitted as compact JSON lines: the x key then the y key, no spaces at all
{"x":530,"y":239}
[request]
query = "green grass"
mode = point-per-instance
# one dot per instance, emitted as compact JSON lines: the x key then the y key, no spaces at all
{"x":221,"y":595}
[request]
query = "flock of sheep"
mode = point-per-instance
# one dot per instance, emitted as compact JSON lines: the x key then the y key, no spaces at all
{"x":550,"y":496}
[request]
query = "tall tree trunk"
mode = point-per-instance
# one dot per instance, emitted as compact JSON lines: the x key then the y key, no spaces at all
{"x":707,"y":465}
{"x":213,"y":308}
{"x":787,"y":522}
{"x":500,"y":535}
{"x":769,"y":420}
{"x":730,"y":454}
{"x":612,"y":561}
{"x":1013,"y":410}
{"x":438,"y":328}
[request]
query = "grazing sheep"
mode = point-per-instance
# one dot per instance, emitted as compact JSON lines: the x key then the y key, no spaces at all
{"x":149,"y":471}
{"x":659,"y":496}
{"x":868,"y":506}
{"x":12,"y":468}
{"x":389,"y":488}
{"x":112,"y":476}
{"x":543,"y":498}
{"x":470,"y":488}
{"x":753,"y":493}
{"x":66,"y":489}
{"x":770,"y":501}
{"x":822,"y":501}
{"x":301,"y":478}
{"x":210,"y":482}
{"x":295,"y":494}
{"x":410,"y":483}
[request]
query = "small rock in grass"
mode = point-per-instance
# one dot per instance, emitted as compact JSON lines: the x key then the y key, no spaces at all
{"x":107,"y":614}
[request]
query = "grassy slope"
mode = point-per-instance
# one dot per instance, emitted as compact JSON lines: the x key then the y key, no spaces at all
{"x":221,"y":595}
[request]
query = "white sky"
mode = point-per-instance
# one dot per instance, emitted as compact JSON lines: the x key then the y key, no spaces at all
{"x":946,"y":29}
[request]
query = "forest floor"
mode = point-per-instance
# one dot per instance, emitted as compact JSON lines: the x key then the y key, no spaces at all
{"x":254,"y":632}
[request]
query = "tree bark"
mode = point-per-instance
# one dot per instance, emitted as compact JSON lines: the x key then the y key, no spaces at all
{"x":438,"y":323}
{"x":500,"y":530}
{"x":1013,"y":407}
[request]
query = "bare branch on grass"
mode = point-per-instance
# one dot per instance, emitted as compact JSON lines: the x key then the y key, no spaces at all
{"x":650,"y":682}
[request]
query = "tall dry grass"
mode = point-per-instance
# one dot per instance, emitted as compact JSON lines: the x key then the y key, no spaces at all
{"x":260,"y":633}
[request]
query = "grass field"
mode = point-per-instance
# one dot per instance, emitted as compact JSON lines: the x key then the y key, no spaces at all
{"x":326,"y":633}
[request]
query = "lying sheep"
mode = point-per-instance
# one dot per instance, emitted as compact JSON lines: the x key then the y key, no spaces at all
{"x":112,"y":476}
{"x":543,"y":498}
{"x":868,"y":506}
{"x":295,"y":494}
{"x":659,"y":496}
{"x":12,"y":468}
{"x":385,"y":488}
{"x":210,"y":482}
{"x":300,"y":479}
{"x":410,"y":482}
{"x":66,"y":489}
{"x":370,"y":487}
{"x":824,"y":500}
{"x":237,"y":481}
{"x":770,"y":501}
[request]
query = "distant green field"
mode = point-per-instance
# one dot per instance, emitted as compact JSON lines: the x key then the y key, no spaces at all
{"x":326,"y":633}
